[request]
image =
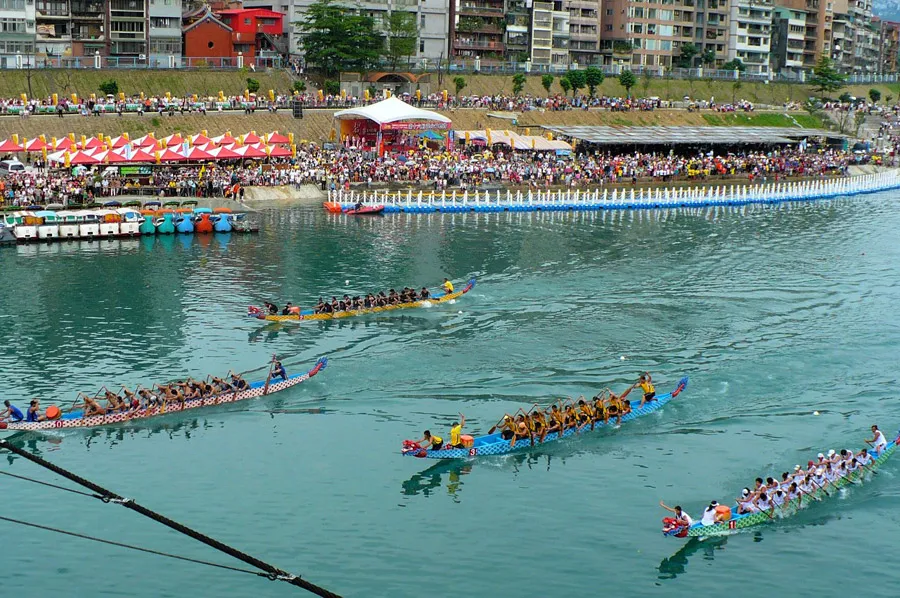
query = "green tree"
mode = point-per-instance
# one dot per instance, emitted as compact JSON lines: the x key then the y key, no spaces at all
{"x":299,"y":86}
{"x":332,"y":87}
{"x":401,"y":36}
{"x":547,"y":82}
{"x":845,"y":97}
{"x":252,"y":85}
{"x":627,"y":79}
{"x":735,"y":87}
{"x":686,"y":58}
{"x":826,"y":79}
{"x":734,"y":65}
{"x":874,"y":95}
{"x":518,"y":82}
{"x":708,"y":57}
{"x":646,"y":79}
{"x":888,"y":99}
{"x":109,"y":87}
{"x":459,"y":83}
{"x":565,"y":84}
{"x":335,"y":39}
{"x":578,"y":80}
{"x":593,"y":77}
{"x":859,"y":118}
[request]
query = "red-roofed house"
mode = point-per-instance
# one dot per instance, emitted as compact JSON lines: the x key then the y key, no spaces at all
{"x":255,"y":32}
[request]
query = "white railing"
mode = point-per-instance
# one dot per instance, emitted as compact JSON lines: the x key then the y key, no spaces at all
{"x":628,"y":199}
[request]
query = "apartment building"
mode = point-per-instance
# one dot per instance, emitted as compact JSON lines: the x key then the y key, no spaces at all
{"x":164,"y":35}
{"x":788,"y":41}
{"x":584,"y":32}
{"x":750,"y":34}
{"x":889,"y":48}
{"x":17,"y":28}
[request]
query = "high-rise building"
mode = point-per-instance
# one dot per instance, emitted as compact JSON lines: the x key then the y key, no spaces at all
{"x":164,"y":35}
{"x":788,"y":41}
{"x":584,"y":31}
{"x":750,"y":34}
{"x":889,"y":48}
{"x":18,"y":28}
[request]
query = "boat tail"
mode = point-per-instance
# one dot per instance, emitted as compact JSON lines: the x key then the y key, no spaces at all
{"x":742,"y":522}
{"x":309,"y":315}
{"x":255,"y":390}
{"x":494,"y":444}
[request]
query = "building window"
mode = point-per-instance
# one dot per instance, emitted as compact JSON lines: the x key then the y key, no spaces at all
{"x":421,"y":46}
{"x":609,"y":12}
{"x":246,"y":21}
{"x":422,"y":21}
{"x":12,"y":25}
{"x":607,"y":28}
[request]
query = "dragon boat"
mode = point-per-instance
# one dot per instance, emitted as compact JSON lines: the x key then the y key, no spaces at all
{"x":743,"y":521}
{"x":76,"y":418}
{"x":308,"y":314}
{"x":494,"y":444}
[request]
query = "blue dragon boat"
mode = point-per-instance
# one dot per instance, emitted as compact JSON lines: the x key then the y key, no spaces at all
{"x":494,"y":444}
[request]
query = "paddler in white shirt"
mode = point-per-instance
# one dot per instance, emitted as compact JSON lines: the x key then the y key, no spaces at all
{"x":709,"y":514}
{"x":878,"y":441}
{"x":681,"y":518}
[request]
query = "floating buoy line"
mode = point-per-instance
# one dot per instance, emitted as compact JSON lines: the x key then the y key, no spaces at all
{"x":263,"y":569}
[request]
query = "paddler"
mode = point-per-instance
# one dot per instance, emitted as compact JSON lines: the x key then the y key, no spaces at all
{"x":681,"y":518}
{"x":878,"y":441}
{"x":434,"y":443}
{"x":12,"y":413}
{"x":709,"y":514}
{"x":34,"y":412}
{"x":447,"y":286}
{"x":456,"y":432}
{"x":279,"y":371}
{"x":646,"y":385}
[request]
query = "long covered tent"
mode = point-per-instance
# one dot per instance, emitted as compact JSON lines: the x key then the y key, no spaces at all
{"x":698,"y":136}
{"x":513,"y":140}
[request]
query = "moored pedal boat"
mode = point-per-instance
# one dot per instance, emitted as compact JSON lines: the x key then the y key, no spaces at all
{"x":495,"y":444}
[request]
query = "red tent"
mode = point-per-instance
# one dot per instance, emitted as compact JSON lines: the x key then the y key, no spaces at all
{"x":64,"y":144}
{"x":169,"y":156}
{"x":195,"y":153}
{"x":9,"y":146}
{"x":90,"y":143}
{"x":249,"y":151}
{"x":119,"y":141}
{"x":277,"y":137}
{"x":83,"y":158}
{"x":145,"y":141}
{"x":200,"y":139}
{"x":173,"y":140}
{"x":279,"y":151}
{"x":224,"y":140}
{"x":223,"y":153}
{"x":110,"y":157}
{"x":140,"y":155}
{"x":36,"y":145}
{"x":251,"y":138}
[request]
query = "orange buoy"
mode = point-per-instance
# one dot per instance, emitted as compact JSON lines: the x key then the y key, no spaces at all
{"x":52,"y":412}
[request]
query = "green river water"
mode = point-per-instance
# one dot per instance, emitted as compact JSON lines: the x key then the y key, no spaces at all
{"x":774,"y":313}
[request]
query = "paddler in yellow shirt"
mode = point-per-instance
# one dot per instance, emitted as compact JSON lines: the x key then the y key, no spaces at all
{"x":456,"y":432}
{"x":646,"y":385}
{"x":447,"y":286}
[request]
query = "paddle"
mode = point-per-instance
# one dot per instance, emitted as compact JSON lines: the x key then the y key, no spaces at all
{"x":494,"y":427}
{"x":269,"y":377}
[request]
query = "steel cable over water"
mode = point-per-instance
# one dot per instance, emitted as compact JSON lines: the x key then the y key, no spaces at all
{"x":273,"y":573}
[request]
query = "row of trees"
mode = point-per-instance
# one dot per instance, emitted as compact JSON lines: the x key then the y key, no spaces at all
{"x":590,"y":78}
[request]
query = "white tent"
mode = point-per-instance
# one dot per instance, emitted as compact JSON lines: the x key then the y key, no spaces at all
{"x":390,"y":110}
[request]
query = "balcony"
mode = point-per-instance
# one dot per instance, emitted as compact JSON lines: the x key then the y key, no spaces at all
{"x":87,"y":34}
{"x":481,"y":10}
{"x":477,"y":44}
